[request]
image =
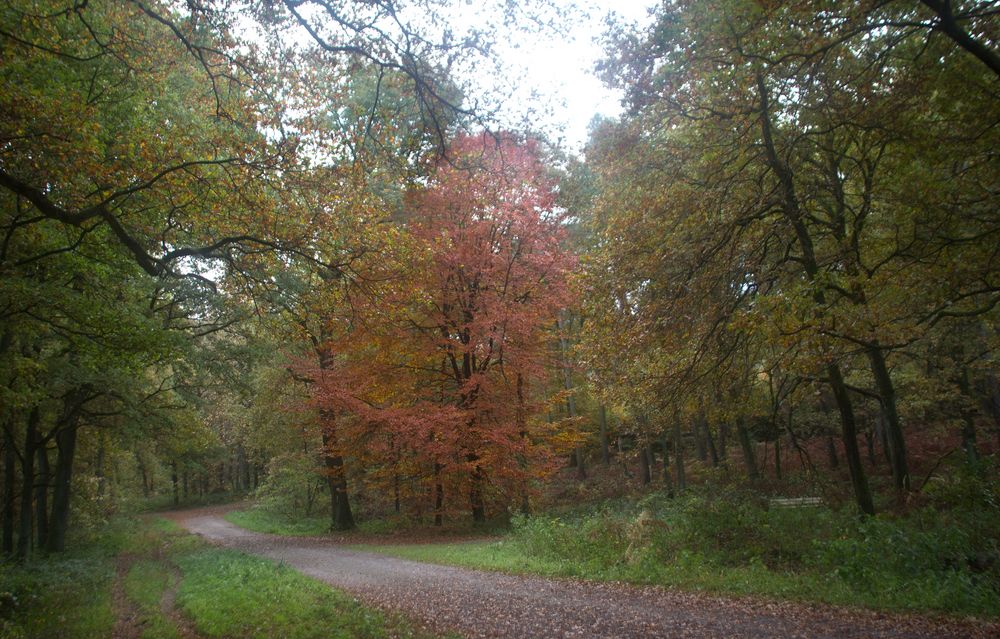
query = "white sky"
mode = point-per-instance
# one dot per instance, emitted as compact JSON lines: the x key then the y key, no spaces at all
{"x":561,"y":72}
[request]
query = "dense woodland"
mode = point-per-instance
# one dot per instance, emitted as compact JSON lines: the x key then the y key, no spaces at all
{"x":283,"y":248}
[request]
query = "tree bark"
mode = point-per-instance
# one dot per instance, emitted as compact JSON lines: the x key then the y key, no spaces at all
{"x":859,"y":482}
{"x":476,"y":493}
{"x":340,"y":506}
{"x":66,"y":444}
{"x":644,"y":470}
{"x":968,"y":419}
{"x":9,"y":477}
{"x":894,"y":440}
{"x":948,"y":24}
{"x":749,"y":459}
{"x":27,"y":484}
{"x":438,"y":496}
{"x":679,"y":454}
{"x":41,"y":497}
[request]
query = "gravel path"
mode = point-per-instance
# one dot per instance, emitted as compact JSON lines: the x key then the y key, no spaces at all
{"x":487,"y":604}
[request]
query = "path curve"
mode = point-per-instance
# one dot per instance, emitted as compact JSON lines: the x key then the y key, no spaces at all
{"x":488,"y":604}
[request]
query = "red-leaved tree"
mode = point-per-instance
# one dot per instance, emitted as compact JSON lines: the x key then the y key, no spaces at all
{"x":434,"y":378}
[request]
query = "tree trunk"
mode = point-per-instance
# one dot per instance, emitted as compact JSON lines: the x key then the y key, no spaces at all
{"x":894,"y":440}
{"x":699,"y":439}
{"x":749,"y":459}
{"x":605,"y":449}
{"x":340,"y":506}
{"x":723,"y":437}
{"x":679,"y":454}
{"x":621,"y":458}
{"x":41,"y":497}
{"x":968,"y":419}
{"x":859,"y":482}
{"x":713,"y":454}
{"x":27,"y":485}
{"x":66,"y":444}
{"x":9,"y":476}
{"x":476,"y":493}
{"x":438,"y":496}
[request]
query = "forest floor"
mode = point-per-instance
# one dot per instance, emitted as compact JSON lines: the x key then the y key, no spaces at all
{"x":489,"y":604}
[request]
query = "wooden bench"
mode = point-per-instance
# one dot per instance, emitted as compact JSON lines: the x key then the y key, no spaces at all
{"x":795,"y":502}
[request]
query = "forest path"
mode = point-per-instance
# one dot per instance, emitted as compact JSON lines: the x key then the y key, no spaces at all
{"x":488,"y":604}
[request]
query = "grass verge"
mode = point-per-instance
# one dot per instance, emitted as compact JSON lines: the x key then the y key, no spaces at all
{"x":265,"y":521}
{"x":219,"y":593}
{"x":943,"y":556}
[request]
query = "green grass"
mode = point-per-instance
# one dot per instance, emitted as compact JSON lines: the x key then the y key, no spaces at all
{"x":223,"y":593}
{"x":721,"y":540}
{"x":146,"y":582}
{"x":66,"y":596}
{"x":228,"y":593}
{"x":265,"y":521}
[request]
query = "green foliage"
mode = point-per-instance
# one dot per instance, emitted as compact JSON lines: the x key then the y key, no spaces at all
{"x":292,"y":487}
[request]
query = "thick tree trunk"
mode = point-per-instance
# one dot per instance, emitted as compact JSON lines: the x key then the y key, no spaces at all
{"x":340,"y":506}
{"x":859,"y":482}
{"x":41,"y":497}
{"x":63,"y":479}
{"x":723,"y":437}
{"x":713,"y":454}
{"x":27,"y":485}
{"x":894,"y":440}
{"x":9,"y":477}
{"x":749,"y":459}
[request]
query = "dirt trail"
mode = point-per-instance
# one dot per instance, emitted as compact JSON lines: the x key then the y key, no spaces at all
{"x":486,"y":604}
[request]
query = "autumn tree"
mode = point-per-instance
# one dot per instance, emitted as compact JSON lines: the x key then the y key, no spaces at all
{"x":445,"y":357}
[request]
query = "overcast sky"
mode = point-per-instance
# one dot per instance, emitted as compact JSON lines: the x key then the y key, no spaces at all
{"x":561,"y":72}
